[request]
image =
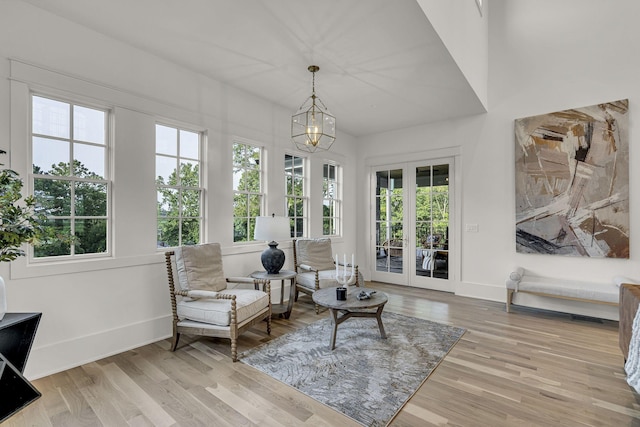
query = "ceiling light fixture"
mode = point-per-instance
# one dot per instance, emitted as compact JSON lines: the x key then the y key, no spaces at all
{"x":313,"y":127}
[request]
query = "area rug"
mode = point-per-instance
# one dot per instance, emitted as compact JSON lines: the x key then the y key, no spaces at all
{"x":367,"y":378}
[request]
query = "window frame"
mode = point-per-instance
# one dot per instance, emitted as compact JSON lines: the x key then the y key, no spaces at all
{"x":336,"y":200}
{"x":179,"y":187}
{"x":107,"y":179}
{"x":302,"y":199}
{"x":248,"y":193}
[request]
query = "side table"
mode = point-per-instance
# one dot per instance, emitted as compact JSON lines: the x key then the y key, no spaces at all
{"x":281,"y":309}
{"x":17,"y":331}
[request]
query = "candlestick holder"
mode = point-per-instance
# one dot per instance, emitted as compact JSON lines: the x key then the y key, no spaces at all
{"x":345,"y":283}
{"x":342,"y":279}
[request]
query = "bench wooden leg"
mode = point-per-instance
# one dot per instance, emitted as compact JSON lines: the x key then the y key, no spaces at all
{"x":509,"y":299}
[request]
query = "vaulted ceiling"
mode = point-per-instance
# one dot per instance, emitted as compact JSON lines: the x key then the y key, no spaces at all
{"x":382,"y":65}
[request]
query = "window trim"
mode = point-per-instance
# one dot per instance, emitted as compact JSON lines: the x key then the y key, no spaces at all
{"x":31,"y":259}
{"x":262,"y":172}
{"x":304,"y":197}
{"x":337,"y":199}
{"x":201,"y":178}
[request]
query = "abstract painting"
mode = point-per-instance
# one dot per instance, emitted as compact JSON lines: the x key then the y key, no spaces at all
{"x":572,"y":182}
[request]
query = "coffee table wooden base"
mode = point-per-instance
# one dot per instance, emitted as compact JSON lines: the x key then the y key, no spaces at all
{"x":342,"y":310}
{"x":348,"y":314}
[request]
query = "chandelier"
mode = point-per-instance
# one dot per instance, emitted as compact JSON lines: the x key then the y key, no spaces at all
{"x":313,"y":127}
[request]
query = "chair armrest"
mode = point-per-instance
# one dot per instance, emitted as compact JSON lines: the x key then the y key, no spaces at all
{"x":240,"y":280}
{"x":266,"y":283}
{"x":198,"y":293}
{"x":347,"y":264}
{"x":307,"y":267}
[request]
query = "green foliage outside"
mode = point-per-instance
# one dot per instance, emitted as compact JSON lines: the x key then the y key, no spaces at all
{"x":179,"y":212}
{"x":88,"y":232}
{"x":432,"y":213}
{"x":329,"y":226}
{"x":294,"y":187}
{"x":432,"y":201}
{"x":247,"y":199}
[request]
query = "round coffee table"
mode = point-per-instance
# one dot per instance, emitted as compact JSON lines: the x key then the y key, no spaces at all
{"x":351,"y":307}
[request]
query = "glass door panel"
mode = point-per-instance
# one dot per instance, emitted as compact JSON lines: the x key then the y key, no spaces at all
{"x":432,"y":221}
{"x":389,"y":222}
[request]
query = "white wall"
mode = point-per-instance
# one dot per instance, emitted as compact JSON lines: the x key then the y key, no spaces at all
{"x":464,"y":32}
{"x":95,"y":308}
{"x":545,"y":56}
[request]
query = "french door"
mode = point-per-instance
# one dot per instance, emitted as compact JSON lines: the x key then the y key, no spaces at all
{"x":411,"y":224}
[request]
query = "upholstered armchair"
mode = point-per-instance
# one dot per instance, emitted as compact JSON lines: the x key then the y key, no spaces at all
{"x":315,"y":267}
{"x":204,"y":302}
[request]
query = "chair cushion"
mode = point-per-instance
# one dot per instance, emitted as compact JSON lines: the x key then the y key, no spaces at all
{"x":327,"y":278}
{"x":200,"y":267}
{"x":315,"y":253}
{"x":218,"y":311}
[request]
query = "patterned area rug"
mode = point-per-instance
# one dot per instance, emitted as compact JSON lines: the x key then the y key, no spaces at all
{"x":366,"y":377}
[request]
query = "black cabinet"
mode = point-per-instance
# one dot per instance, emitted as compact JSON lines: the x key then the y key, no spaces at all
{"x":17,"y":331}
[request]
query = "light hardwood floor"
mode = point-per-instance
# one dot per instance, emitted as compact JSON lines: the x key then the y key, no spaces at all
{"x":526,"y":368}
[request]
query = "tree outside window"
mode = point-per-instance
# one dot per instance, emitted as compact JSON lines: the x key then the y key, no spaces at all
{"x":432,"y":206}
{"x":296,"y":202}
{"x":330,"y":200}
{"x":70,"y":177}
{"x":247,"y":190}
{"x":178,"y":184}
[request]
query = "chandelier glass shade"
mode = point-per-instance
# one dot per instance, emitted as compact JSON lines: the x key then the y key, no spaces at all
{"x":313,"y":127}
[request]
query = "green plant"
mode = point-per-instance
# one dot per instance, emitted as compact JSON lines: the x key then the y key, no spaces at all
{"x":20,"y":222}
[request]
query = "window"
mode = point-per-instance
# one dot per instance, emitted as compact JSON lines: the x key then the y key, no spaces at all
{"x":247,"y":190}
{"x":330,"y":200}
{"x":70,"y":176}
{"x":178,"y":186}
{"x":295,"y":194}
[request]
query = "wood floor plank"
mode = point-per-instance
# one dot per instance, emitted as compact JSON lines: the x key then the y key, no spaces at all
{"x":525,"y":368}
{"x":151,"y":408}
{"x":92,"y":390}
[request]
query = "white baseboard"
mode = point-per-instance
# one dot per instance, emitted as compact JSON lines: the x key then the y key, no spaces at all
{"x":53,"y":358}
{"x":481,"y":291}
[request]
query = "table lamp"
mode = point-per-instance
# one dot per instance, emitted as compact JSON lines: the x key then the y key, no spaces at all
{"x":270,"y":229}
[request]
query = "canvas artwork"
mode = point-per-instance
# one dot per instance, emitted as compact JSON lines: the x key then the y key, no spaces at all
{"x":572,"y":182}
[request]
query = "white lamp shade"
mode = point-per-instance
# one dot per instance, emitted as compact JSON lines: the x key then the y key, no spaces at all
{"x":272,"y":228}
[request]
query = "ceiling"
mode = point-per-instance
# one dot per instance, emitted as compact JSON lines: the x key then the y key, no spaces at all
{"x":382,"y":66}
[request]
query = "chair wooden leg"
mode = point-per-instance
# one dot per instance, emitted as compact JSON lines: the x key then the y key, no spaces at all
{"x":174,"y":341}
{"x":234,"y":350}
{"x":268,"y":325}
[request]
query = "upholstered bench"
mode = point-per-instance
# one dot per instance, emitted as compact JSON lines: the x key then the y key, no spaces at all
{"x":599,"y":293}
